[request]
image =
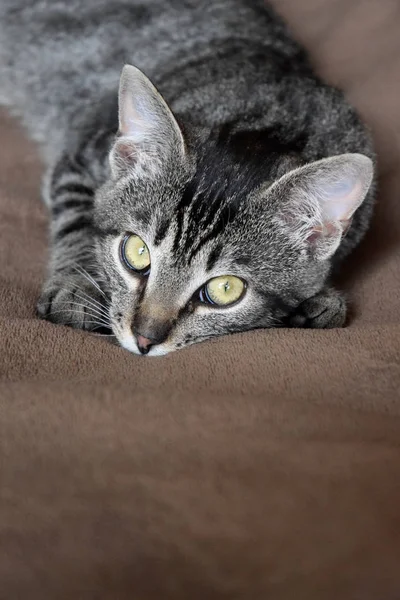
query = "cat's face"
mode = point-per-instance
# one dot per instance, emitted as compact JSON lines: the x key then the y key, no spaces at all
{"x":192,"y":245}
{"x":179,"y":272}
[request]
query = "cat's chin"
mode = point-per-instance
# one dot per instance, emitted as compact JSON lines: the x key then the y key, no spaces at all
{"x":128,"y":342}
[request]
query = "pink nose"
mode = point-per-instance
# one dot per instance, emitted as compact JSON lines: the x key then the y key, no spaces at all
{"x":144,"y":344}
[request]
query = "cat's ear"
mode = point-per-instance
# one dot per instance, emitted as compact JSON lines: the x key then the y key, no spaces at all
{"x":148,"y":132}
{"x":316,"y":202}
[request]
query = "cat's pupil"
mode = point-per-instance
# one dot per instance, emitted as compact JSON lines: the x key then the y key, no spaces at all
{"x":227,"y":286}
{"x":141,"y":250}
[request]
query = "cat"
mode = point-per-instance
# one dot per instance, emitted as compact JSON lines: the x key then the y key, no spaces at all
{"x":216,"y":192}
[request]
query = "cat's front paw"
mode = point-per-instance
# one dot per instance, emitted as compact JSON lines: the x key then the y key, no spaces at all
{"x":74,"y":301}
{"x":323,"y":311}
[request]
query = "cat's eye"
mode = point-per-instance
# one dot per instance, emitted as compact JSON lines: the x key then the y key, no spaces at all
{"x":223,"y":291}
{"x":135,"y":254}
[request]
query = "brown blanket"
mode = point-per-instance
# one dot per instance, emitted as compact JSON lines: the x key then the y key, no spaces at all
{"x":260,"y":466}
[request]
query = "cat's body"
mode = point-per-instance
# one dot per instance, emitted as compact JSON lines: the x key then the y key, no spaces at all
{"x":250,"y":112}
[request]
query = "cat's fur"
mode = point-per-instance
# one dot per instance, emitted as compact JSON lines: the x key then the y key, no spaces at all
{"x":230,"y":190}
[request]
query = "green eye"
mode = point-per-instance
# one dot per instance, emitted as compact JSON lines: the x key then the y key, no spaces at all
{"x":224,"y":290}
{"x":135,"y":254}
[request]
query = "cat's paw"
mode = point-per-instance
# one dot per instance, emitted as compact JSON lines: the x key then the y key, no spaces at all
{"x":73,"y":301}
{"x":323,"y":311}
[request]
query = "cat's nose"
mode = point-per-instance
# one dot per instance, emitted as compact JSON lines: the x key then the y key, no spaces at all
{"x":144,"y":343}
{"x":150,"y":332}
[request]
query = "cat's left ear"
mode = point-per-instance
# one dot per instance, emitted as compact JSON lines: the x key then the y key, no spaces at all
{"x":316,"y":202}
{"x":148,"y":132}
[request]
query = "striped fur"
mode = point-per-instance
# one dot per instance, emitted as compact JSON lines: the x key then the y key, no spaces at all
{"x":255,"y":122}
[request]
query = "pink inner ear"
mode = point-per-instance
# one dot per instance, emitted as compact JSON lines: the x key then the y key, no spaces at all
{"x":314,"y":235}
{"x":126,"y":152}
{"x":325,"y":230}
{"x":341,"y":201}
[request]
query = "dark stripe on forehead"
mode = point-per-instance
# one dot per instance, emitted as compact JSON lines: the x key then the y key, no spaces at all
{"x":223,"y":218}
{"x":207,"y":211}
{"x":213,"y":257}
{"x":161,"y":232}
{"x":185,"y":201}
{"x":231,"y":165}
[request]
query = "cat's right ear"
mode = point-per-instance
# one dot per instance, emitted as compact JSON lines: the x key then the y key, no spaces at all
{"x":315,"y":203}
{"x":148,"y":135}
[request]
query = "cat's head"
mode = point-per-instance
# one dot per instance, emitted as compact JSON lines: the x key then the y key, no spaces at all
{"x":198,"y":240}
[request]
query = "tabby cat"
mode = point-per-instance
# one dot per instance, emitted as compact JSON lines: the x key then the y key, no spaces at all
{"x":217,"y":197}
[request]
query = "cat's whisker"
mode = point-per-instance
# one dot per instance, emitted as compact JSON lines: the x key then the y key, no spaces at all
{"x":103,"y":323}
{"x":97,"y":308}
{"x":86,"y":304}
{"x":97,"y":323}
{"x":91,"y":297}
{"x":83,"y":272}
{"x":95,"y":284}
{"x":81,"y":312}
{"x":105,"y":299}
{"x":88,"y":299}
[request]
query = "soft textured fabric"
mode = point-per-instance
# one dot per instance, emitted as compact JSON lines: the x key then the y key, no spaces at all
{"x":263,"y":465}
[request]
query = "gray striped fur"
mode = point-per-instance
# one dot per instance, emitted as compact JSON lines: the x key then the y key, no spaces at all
{"x":243,"y":193}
